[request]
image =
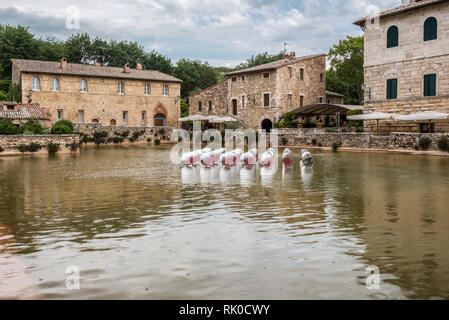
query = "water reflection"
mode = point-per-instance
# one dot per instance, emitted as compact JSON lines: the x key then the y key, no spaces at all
{"x":141,"y":228}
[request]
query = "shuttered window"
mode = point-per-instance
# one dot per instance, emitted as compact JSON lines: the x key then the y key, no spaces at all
{"x":430,"y":85}
{"x":392,"y":37}
{"x":430,"y":29}
{"x":392,"y":88}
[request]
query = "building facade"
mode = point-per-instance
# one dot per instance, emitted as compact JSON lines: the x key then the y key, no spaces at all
{"x":99,"y":94}
{"x":407,"y":63}
{"x":260,"y":95}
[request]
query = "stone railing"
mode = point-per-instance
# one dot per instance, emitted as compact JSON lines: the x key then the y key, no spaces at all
{"x":161,"y":133}
{"x":299,"y":137}
{"x":9,"y":144}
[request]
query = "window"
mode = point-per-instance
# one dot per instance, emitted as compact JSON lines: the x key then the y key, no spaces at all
{"x":55,"y":84}
{"x":147,"y":89}
{"x":266,"y":75}
{"x":36,"y":84}
{"x":290,"y":71}
{"x":320,"y":99}
{"x":125,"y":117}
{"x":392,"y":37}
{"x":289,"y":99}
{"x":301,"y":74}
{"x":430,"y":29}
{"x":266,"y":99}
{"x":392,"y":88}
{"x":81,"y":116}
{"x":321,"y":77}
{"x":430,"y":85}
{"x":83,"y":85}
{"x":243,"y":102}
{"x":210,"y":106}
{"x":243,"y":78}
{"x":121,"y":88}
{"x":301,"y":101}
{"x":165,"y":90}
{"x":234,"y":79}
{"x":144,"y":118}
{"x":60,"y":114}
{"x":200,"y":106}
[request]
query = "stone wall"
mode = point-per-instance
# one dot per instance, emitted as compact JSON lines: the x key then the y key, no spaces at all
{"x":101,"y":102}
{"x":10,"y":143}
{"x":217,"y":95}
{"x":161,"y":133}
{"x":298,"y":137}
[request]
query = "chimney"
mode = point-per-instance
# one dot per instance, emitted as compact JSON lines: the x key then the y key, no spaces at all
{"x":97,"y":63}
{"x":63,"y":64}
{"x":139,"y":66}
{"x":126,"y":68}
{"x":292,"y":55}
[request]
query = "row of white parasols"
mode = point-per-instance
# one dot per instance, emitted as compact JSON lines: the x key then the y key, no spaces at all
{"x":417,"y":117}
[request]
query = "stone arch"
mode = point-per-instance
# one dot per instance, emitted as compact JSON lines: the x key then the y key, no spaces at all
{"x":267,"y":125}
{"x":160,"y":109}
{"x":95,"y":120}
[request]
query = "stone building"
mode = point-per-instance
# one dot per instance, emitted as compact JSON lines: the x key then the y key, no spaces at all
{"x":407,"y":63}
{"x":260,"y":95}
{"x":20,"y":113}
{"x":99,"y":94}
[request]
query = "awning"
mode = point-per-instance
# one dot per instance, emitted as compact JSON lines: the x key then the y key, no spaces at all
{"x":325,"y":109}
{"x":422,"y":116}
{"x":211,"y":119}
{"x":195,"y":117}
{"x":372,"y":116}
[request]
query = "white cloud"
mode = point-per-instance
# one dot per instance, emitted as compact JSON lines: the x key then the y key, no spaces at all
{"x":219,"y":31}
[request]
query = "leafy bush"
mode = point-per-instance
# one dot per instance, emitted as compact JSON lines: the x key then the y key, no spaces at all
{"x":443,"y":144}
{"x":314,"y":142}
{"x":53,"y":148}
{"x":66,"y":123}
{"x":61,"y":129}
{"x":2,"y":96}
{"x":72,"y":146}
{"x":100,"y":137}
{"x":424,"y":142}
{"x":284,"y":141}
{"x":8,"y":128}
{"x":162,"y":131}
{"x":336,"y":146}
{"x":32,"y":147}
{"x":149,"y":139}
{"x":135,"y":136}
{"x":1,"y":149}
{"x":32,"y":127}
{"x":157,"y":142}
{"x":125,"y":134}
{"x":355,"y":123}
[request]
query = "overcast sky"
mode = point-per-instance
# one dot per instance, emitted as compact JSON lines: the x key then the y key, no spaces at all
{"x":223,"y":32}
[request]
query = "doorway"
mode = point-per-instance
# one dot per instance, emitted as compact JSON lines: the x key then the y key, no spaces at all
{"x":159,"y":120}
{"x":234,"y":107}
{"x":267,"y":125}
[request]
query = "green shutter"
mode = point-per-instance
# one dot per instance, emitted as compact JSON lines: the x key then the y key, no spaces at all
{"x":430,"y":85}
{"x":392,"y":88}
{"x":392,"y":37}
{"x":430,"y":29}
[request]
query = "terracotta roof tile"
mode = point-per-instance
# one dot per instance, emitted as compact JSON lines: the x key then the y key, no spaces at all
{"x":23,"y":111}
{"x":90,"y":70}
{"x":401,"y":9}
{"x":274,"y":65}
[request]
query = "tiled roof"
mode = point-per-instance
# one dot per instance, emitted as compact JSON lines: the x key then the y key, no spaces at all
{"x":90,"y":70}
{"x":330,"y":93}
{"x":23,"y":111}
{"x":274,"y":65}
{"x":401,"y":9}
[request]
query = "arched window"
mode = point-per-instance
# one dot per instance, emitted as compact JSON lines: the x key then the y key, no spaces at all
{"x":113,"y":122}
{"x":121,"y":88}
{"x":392,"y":37}
{"x":36,"y":84}
{"x":430,"y":29}
{"x":55,"y":84}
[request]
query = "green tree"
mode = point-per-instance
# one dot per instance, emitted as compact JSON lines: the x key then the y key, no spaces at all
{"x":259,"y":59}
{"x":78,"y":48}
{"x":196,"y":75}
{"x":345,"y":75}
{"x":184,"y":108}
{"x":156,"y":61}
{"x":15,"y":42}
